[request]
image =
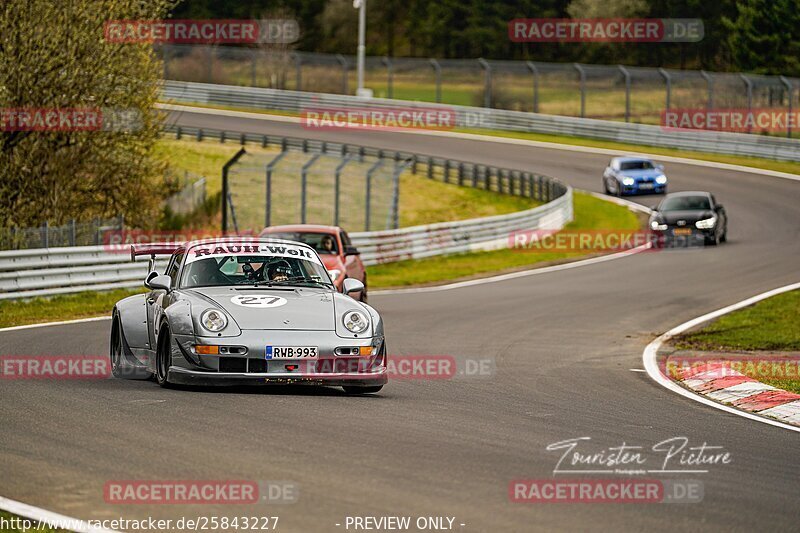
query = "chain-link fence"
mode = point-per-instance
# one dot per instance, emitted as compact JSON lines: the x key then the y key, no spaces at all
{"x":614,"y":92}
{"x":296,"y":187}
{"x":190,"y":197}
{"x":53,"y":236}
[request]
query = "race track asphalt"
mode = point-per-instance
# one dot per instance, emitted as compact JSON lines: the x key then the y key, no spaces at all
{"x":564,"y":344}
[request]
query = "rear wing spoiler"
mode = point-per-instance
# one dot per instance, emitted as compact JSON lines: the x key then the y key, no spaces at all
{"x":153,"y":249}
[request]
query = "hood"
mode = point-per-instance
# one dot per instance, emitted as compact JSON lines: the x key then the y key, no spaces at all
{"x":271,"y":308}
{"x":640,"y":173}
{"x":672,"y":217}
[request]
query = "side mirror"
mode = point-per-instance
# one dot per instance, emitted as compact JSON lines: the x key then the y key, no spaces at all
{"x":352,"y":285}
{"x":654,"y":208}
{"x":719,"y":207}
{"x":660,"y":166}
{"x":163,"y":282}
{"x":351,"y":250}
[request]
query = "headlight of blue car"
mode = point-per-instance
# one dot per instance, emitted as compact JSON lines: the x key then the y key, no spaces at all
{"x":661,"y":180}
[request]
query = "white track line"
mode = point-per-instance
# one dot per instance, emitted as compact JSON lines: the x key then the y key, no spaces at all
{"x":649,"y":357}
{"x":49,"y":518}
{"x":60,"y":323}
{"x":504,"y":140}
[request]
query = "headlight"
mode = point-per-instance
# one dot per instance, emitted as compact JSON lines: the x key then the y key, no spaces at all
{"x":628,"y":181}
{"x":661,"y":180}
{"x":707,"y":223}
{"x":213,"y":320}
{"x":335,"y":273}
{"x":655,"y":225}
{"x":355,"y":322}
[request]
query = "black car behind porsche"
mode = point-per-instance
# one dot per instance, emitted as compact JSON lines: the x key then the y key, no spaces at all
{"x":690,"y":218}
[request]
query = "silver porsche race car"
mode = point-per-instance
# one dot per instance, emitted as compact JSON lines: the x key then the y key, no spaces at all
{"x":246,"y":311}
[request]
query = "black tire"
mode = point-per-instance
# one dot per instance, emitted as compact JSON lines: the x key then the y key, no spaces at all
{"x":163,"y":357}
{"x":355,"y":389}
{"x":618,"y":192}
{"x":120,"y":367}
{"x":724,"y":237}
{"x":605,"y":187}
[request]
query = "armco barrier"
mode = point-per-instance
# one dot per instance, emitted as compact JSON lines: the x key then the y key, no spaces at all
{"x":52,"y":271}
{"x":777,"y":148}
{"x":47,"y":272}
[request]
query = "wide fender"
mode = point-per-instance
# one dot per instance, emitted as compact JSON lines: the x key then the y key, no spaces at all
{"x":132,"y":315}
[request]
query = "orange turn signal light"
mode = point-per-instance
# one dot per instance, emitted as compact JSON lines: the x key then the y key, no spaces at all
{"x":365,"y":350}
{"x":206,"y":350}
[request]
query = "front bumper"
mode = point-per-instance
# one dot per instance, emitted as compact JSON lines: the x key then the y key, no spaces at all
{"x":245,"y":361}
{"x":182,"y":376}
{"x":675,"y":236}
{"x":641,"y":188}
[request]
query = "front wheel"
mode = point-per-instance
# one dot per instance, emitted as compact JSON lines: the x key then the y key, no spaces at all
{"x":164,"y":358}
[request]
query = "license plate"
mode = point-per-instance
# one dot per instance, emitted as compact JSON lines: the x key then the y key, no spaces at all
{"x":646,"y":186}
{"x":291,"y":352}
{"x":682,"y":231}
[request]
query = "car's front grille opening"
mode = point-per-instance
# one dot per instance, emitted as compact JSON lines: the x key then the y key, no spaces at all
{"x":232,"y":364}
{"x":257,"y":366}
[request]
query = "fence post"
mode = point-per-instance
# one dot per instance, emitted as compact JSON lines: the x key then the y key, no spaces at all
{"x":337,"y":188}
{"x":627,"y":92}
{"x":298,"y":71}
{"x":45,"y":234}
{"x":96,"y":224}
{"x":710,"y":89}
{"x":343,"y":62}
{"x":749,"y":85}
{"x":474,"y":176}
{"x":367,"y":205}
{"x":437,"y":69}
{"x":667,"y":86}
{"x":582,"y":74}
{"x":487,"y":82}
{"x":268,"y":188}
{"x":447,"y":171}
{"x":461,"y":174}
{"x":210,"y":65}
{"x":73,"y":233}
{"x":530,"y":186}
{"x":789,"y":88}
{"x":396,"y":195}
{"x":252,"y":68}
{"x":413,"y":163}
{"x":304,"y":186}
{"x":430,"y":168}
{"x":232,"y":161}
{"x":387,"y":61}
{"x":532,"y":67}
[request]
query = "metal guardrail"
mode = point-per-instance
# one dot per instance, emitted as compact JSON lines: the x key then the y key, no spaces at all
{"x":53,"y":271}
{"x":743,"y":144}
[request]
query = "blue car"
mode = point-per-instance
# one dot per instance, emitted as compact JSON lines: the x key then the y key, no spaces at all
{"x":634,"y":175}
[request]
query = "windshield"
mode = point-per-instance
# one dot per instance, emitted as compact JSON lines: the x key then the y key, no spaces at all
{"x":323,"y":243}
{"x":258,"y":265}
{"x":636,"y":165}
{"x":685,"y":203}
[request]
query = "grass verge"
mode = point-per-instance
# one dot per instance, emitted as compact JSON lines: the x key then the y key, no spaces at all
{"x":65,"y":307}
{"x":590,"y":214}
{"x":770,"y":325}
